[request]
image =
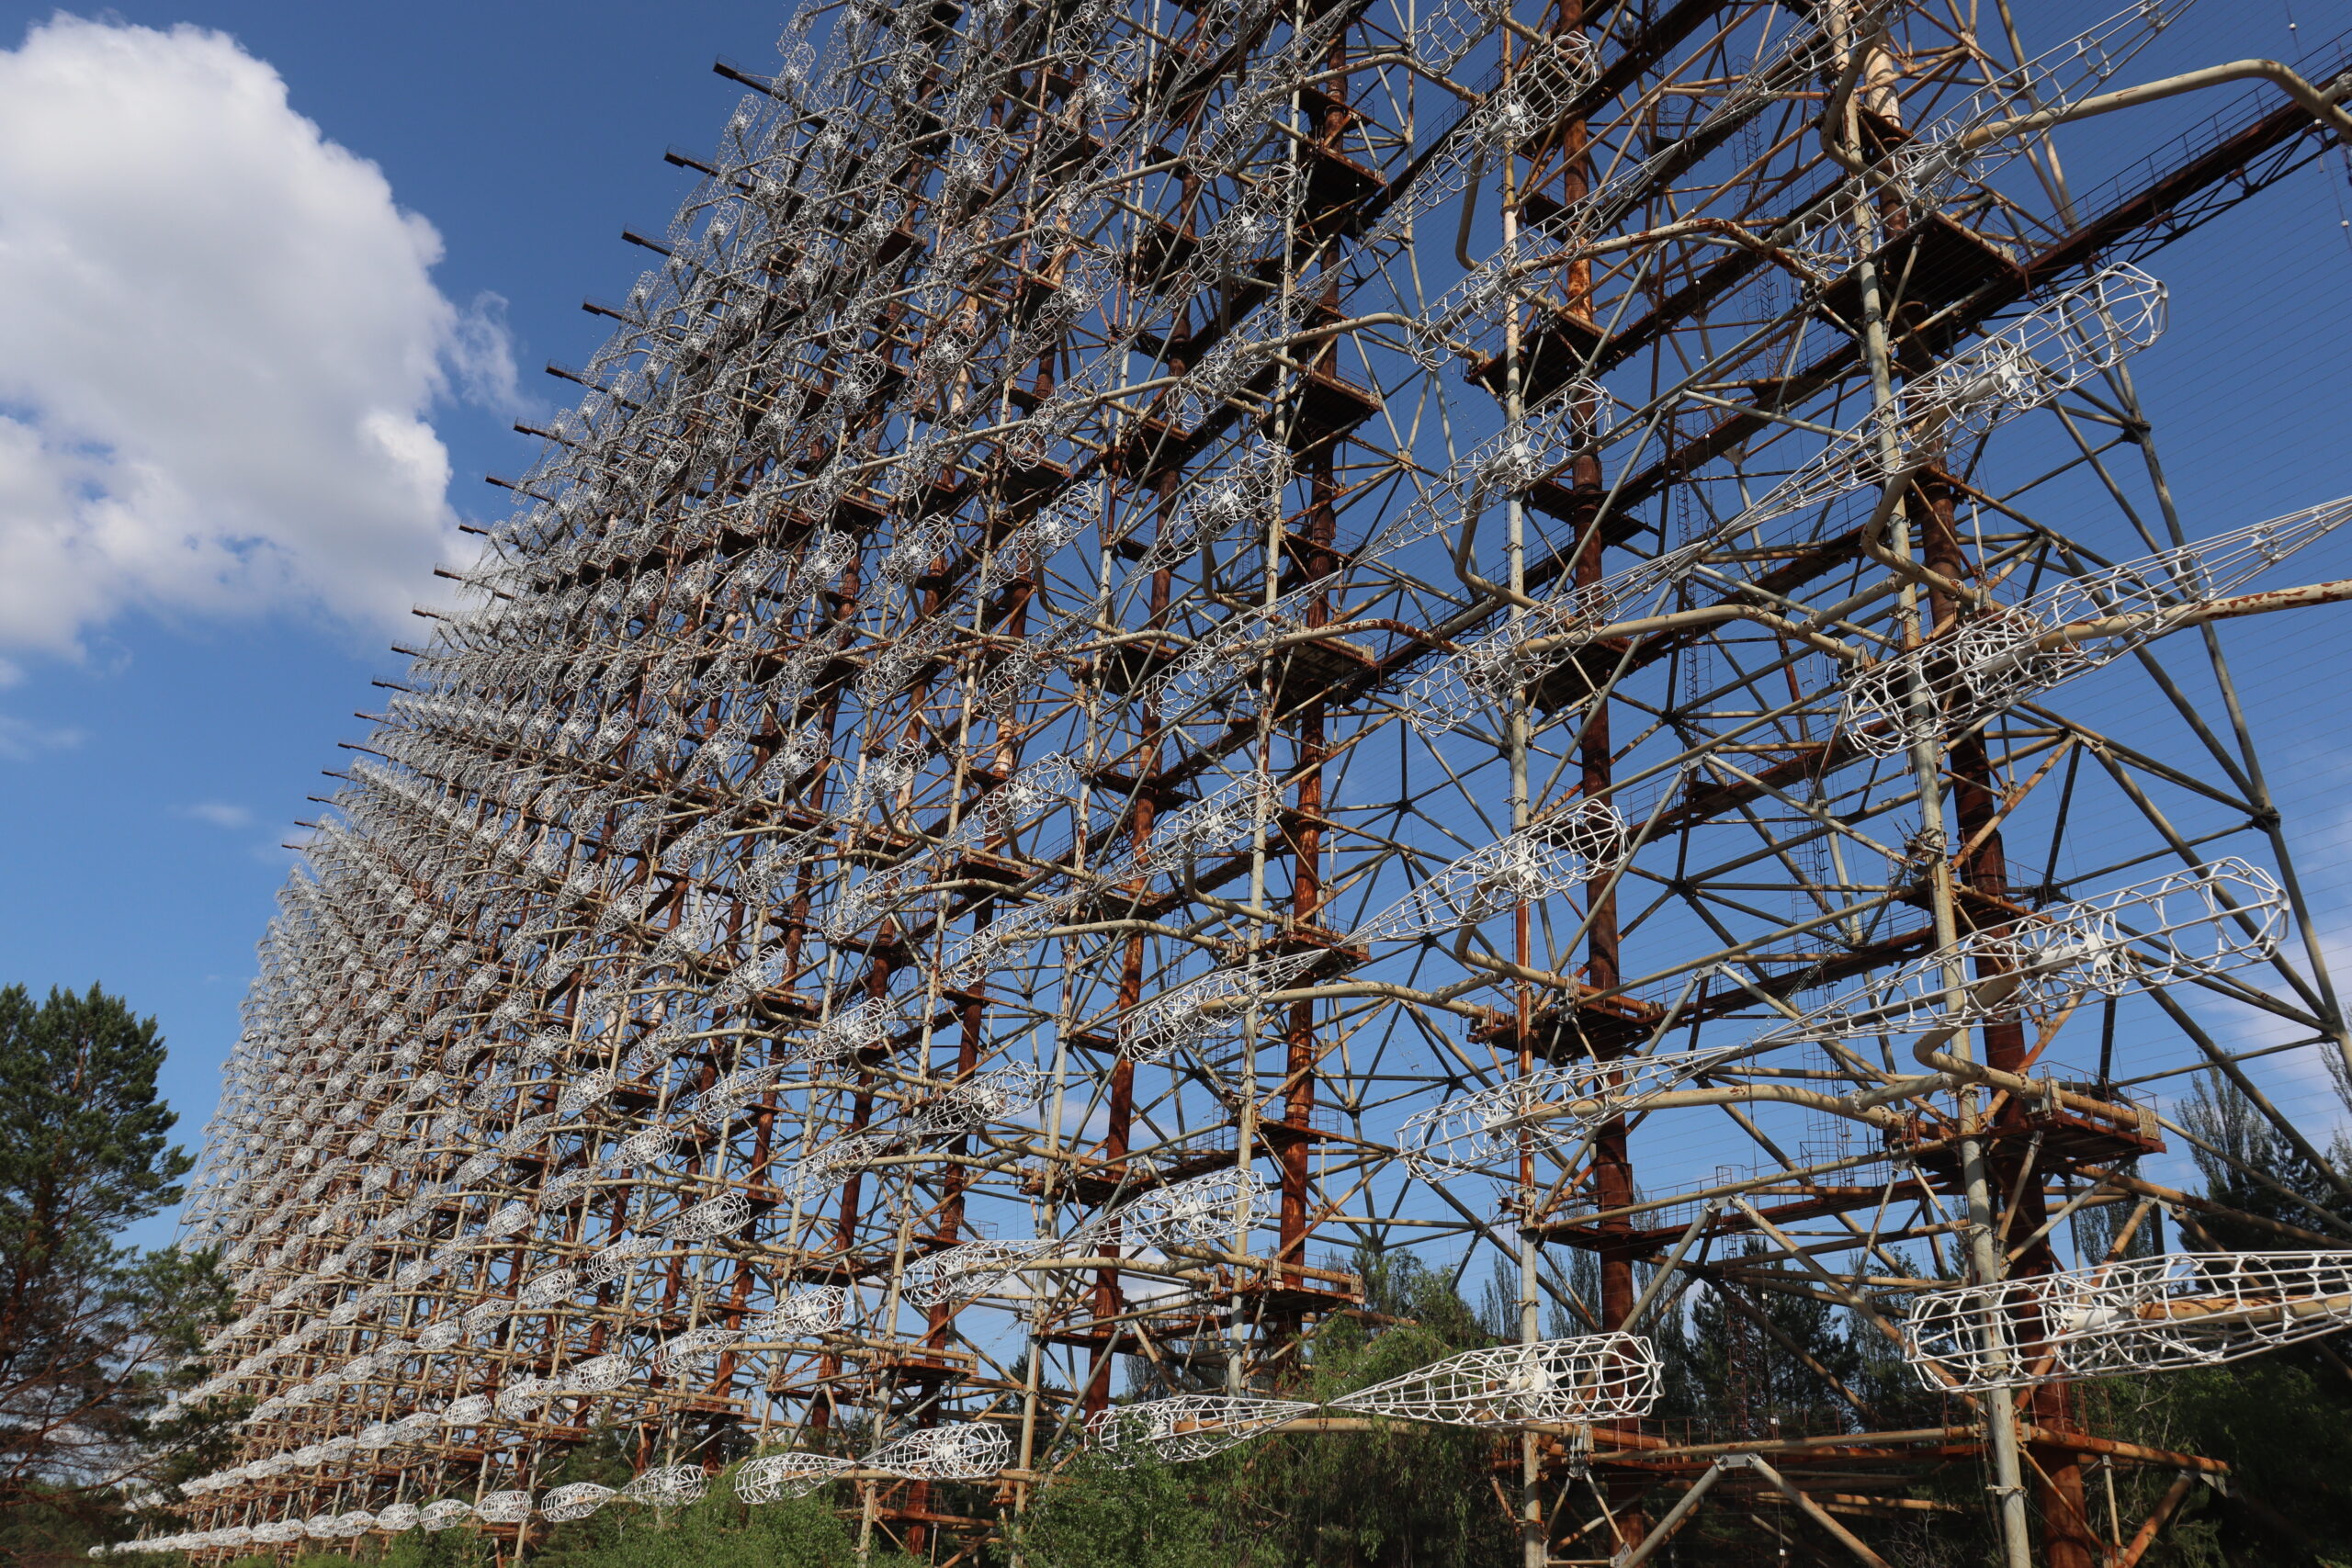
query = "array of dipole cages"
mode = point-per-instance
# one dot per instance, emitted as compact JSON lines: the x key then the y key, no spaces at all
{"x":1176,"y":642}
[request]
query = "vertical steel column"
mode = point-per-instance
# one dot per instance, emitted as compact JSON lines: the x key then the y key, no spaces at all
{"x":2068,"y":1541}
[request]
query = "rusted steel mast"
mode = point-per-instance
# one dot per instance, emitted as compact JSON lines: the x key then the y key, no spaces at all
{"x":1180,"y":644}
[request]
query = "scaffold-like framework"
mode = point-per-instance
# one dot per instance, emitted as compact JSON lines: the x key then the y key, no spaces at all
{"x":2138,"y":1314}
{"x":1181,"y":641}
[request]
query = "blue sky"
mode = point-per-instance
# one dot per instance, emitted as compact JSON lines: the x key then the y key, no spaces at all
{"x":148,"y":780}
{"x":157,"y":743}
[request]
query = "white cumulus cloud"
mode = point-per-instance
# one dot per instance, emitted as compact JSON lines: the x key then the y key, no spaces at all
{"x":19,"y":741}
{"x":221,"y":814}
{"x":219,"y":339}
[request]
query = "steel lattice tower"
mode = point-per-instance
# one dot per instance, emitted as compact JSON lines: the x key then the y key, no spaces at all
{"x":1174,"y":640}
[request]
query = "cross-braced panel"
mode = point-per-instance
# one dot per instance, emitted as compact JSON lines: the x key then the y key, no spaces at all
{"x":1179,"y":648}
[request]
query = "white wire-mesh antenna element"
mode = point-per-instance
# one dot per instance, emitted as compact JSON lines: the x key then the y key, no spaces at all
{"x":1187,"y":1426}
{"x":504,"y":1507}
{"x":1556,"y":73}
{"x":669,"y":1486}
{"x":515,"y":1216}
{"x":1228,"y":651}
{"x":2203,"y":920}
{"x":443,"y":1513}
{"x":442,"y":1335}
{"x":959,"y":1450}
{"x":813,"y":1310}
{"x":2025,"y":364}
{"x":357,"y":1522}
{"x":1043,"y":785}
{"x":541,"y":1291}
{"x":1592,"y":1376}
{"x":1212,"y":1004}
{"x":681,"y":1353}
{"x":654,"y":1143}
{"x":829,"y":1164}
{"x":1938,"y":152}
{"x":419,"y":1425}
{"x":972,"y":953}
{"x":585,"y":1090}
{"x":775,"y":1477}
{"x":852,"y":1029}
{"x":712,"y":1218}
{"x":575,"y":1501}
{"x":984,"y":1267}
{"x":975,"y":1101}
{"x":601,"y":1374}
{"x":1217,"y":823}
{"x":1530,"y":645}
{"x":1201,"y":1210}
{"x":2016,"y":652}
{"x":2142,"y":1314}
{"x":473,"y":1410}
{"x":609,"y":1263}
{"x":399,"y":1518}
{"x":2021,"y":366}
{"x":1552,"y":1105}
{"x":525,"y":1394}
{"x":1527,"y":867}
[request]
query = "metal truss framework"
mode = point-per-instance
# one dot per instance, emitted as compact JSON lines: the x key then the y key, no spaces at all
{"x":1177,"y":640}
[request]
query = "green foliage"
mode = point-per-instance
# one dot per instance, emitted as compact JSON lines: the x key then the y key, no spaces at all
{"x":37,"y":1529}
{"x":1152,"y":1515}
{"x":2228,"y":1122}
{"x":90,"y":1332}
{"x":2282,"y":1419}
{"x":717,"y":1532}
{"x":1433,"y":1504}
{"x":415,"y":1548}
{"x":1730,"y":1372}
{"x":1404,"y":1495}
{"x":82,"y":1133}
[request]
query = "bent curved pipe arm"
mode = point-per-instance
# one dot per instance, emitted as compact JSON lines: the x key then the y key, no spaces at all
{"x":1469,"y":212}
{"x":1925,"y":576}
{"x":1718,"y":231}
{"x":2321,"y":107}
{"x":1847,"y":1106}
{"x":1403,"y":59}
{"x":1443,"y":997}
{"x":1844,"y":652}
{"x":1564,"y":983}
{"x":2303,"y":597}
{"x":1928,"y":1051}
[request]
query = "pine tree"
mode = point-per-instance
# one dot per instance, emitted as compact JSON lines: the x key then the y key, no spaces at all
{"x":1402,"y":1495}
{"x":90,"y":1331}
{"x":2239,"y":1150}
{"x":2283,"y":1418}
{"x":1751,"y":1361}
